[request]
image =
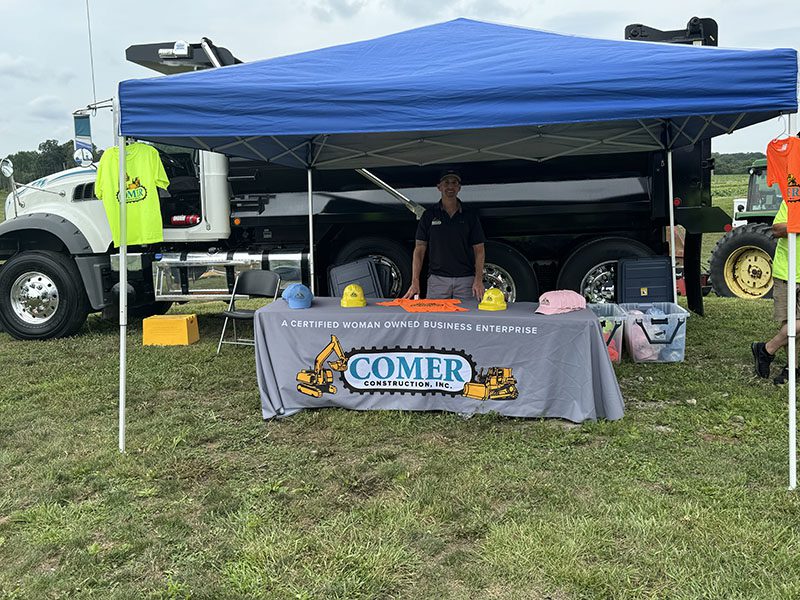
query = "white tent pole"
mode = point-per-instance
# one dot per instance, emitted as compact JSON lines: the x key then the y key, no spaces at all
{"x":791,"y":318}
{"x":671,"y":198}
{"x":311,"y":231}
{"x":123,"y":283}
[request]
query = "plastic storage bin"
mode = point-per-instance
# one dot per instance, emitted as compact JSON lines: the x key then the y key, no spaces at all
{"x":655,"y":332}
{"x":612,"y":321}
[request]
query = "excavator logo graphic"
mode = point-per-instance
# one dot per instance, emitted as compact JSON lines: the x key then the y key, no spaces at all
{"x":406,"y":370}
{"x":319,"y":380}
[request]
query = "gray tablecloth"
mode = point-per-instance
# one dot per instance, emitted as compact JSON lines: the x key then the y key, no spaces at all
{"x":513,"y":362}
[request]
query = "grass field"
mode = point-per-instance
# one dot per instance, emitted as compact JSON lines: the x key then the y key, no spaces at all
{"x":684,"y":498}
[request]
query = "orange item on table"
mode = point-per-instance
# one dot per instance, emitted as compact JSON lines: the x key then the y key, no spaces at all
{"x":416,"y":306}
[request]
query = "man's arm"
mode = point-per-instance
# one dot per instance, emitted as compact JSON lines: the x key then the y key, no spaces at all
{"x":480,"y":259}
{"x":779,"y":230}
{"x":416,"y":268}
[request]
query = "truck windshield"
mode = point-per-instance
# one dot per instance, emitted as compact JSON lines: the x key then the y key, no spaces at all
{"x":760,"y":195}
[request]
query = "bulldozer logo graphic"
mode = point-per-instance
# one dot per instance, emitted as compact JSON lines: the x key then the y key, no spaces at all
{"x":134,"y":190}
{"x":405,"y":370}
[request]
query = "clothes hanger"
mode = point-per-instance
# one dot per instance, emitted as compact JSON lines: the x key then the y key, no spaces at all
{"x":784,"y":128}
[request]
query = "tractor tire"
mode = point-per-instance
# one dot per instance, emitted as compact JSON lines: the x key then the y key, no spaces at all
{"x":741,"y":262}
{"x":41,"y":296}
{"x":591,"y":269}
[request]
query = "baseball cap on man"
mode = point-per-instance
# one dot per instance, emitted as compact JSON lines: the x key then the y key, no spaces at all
{"x":298,"y":296}
{"x":450,"y":173}
{"x":557,"y":302}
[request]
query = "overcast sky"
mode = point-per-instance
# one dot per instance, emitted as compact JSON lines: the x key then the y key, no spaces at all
{"x":44,"y":56}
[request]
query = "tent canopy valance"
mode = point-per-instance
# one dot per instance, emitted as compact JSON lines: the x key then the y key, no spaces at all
{"x":463,"y":91}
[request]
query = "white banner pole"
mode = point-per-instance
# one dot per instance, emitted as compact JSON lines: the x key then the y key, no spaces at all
{"x":123,"y":282}
{"x":671,"y":194}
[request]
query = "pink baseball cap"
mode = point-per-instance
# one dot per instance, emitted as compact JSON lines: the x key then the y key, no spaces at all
{"x":557,"y":302}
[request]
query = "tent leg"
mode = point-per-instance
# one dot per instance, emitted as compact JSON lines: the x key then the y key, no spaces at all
{"x":671,"y":199}
{"x":123,"y":292}
{"x":311,"y":231}
{"x":791,"y":319}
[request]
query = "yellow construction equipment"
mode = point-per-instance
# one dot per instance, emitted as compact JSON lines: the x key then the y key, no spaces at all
{"x":497,"y":384}
{"x":319,"y":380}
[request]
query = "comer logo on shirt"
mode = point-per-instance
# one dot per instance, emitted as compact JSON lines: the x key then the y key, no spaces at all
{"x":134,"y":190}
{"x":412,"y":370}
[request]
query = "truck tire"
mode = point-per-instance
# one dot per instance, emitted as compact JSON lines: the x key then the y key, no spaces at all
{"x":741,"y":262}
{"x":509,"y":271}
{"x":389,"y":256}
{"x":41,"y":296}
{"x":592,"y":267}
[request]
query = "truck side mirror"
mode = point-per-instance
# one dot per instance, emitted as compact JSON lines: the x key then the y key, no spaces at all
{"x":83,"y":157}
{"x":6,"y":167}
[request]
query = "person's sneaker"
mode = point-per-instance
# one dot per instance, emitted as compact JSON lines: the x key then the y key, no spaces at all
{"x":762,"y":358}
{"x":783,"y":377}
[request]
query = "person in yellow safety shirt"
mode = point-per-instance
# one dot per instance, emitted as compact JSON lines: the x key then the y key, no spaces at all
{"x":145,"y":173}
{"x":764,"y":352}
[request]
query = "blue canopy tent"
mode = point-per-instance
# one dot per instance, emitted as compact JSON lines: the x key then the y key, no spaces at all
{"x":461,"y":91}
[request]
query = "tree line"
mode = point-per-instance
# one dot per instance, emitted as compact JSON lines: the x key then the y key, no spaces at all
{"x":735,"y":163}
{"x":51,"y":157}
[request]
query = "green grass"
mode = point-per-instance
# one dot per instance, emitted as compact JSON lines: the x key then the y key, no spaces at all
{"x":2,"y":205}
{"x":683,"y":498}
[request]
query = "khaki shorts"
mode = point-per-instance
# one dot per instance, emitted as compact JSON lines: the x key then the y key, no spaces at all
{"x":779,"y":289}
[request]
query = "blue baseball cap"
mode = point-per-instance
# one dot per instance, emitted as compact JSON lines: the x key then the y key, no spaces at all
{"x":298,"y":296}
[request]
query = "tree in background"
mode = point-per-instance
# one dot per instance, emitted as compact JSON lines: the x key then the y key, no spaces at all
{"x":736,"y":163}
{"x":51,"y":157}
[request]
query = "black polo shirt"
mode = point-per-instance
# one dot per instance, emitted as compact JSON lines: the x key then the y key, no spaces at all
{"x":450,"y":240}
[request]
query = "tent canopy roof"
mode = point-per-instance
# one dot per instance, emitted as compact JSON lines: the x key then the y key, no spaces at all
{"x":460,"y":91}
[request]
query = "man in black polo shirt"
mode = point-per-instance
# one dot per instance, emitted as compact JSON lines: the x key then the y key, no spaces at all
{"x":455,"y":238}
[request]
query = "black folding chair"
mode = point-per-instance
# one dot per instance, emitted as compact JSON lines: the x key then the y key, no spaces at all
{"x":255,"y":283}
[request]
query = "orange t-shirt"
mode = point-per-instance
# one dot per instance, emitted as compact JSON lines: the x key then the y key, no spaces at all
{"x":783,"y":168}
{"x":413,"y":306}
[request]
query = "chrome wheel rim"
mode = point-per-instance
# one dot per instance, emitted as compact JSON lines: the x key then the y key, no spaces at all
{"x":598,"y":285}
{"x":497,"y":277}
{"x":34,"y":298}
{"x":396,"y":277}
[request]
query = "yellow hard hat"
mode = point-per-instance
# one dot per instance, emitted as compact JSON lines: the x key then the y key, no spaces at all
{"x":493,"y":299}
{"x":353,"y":296}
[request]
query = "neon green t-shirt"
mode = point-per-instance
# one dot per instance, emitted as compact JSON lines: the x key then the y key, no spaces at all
{"x":780,"y":264}
{"x":144,"y":173}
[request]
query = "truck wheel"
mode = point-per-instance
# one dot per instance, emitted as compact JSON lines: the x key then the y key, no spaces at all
{"x":389,"y":256}
{"x":41,"y":296}
{"x":591,"y":269}
{"x":509,"y":271}
{"x":741,"y":262}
